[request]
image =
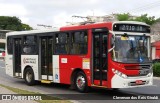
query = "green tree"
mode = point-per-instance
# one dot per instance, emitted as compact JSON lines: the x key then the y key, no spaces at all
{"x":13,"y":23}
{"x":158,"y":19}
{"x":26,"y":27}
{"x":123,"y":17}
{"x":143,"y":18}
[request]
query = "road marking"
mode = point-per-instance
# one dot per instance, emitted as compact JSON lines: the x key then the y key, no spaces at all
{"x":2,"y":67}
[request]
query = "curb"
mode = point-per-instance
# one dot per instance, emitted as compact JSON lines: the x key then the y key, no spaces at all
{"x":156,"y":78}
{"x":5,"y":98}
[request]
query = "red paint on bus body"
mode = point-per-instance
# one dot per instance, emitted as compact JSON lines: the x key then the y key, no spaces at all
{"x":75,"y":61}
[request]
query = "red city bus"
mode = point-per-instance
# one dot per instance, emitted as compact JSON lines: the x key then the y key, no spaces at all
{"x":106,"y":55}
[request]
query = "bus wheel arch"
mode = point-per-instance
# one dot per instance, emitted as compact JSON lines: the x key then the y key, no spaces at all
{"x":29,"y":76}
{"x":79,"y":74}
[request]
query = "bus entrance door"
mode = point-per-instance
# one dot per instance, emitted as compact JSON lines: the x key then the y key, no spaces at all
{"x":100,"y":61}
{"x":46,"y":53}
{"x":17,"y":48}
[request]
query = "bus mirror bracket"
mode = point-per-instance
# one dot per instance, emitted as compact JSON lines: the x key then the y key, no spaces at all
{"x":112,"y":42}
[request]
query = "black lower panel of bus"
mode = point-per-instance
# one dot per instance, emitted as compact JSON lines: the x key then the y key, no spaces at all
{"x":97,"y":76}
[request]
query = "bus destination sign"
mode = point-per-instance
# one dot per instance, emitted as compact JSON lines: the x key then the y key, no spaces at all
{"x":131,"y":28}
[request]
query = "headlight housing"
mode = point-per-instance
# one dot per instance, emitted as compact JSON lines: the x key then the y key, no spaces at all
{"x":150,"y":73}
{"x":119,"y":73}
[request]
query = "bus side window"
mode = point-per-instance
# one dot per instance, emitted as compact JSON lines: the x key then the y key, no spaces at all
{"x":79,"y":43}
{"x":10,"y":45}
{"x":29,"y":45}
{"x":62,"y":45}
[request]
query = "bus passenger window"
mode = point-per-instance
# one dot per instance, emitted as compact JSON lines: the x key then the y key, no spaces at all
{"x":10,"y":45}
{"x":79,"y":43}
{"x":62,"y":45}
{"x":29,"y":45}
{"x":29,"y":40}
{"x":62,"y":38}
{"x":27,"y":49}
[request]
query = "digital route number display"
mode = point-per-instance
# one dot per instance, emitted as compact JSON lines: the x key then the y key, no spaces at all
{"x":131,"y":28}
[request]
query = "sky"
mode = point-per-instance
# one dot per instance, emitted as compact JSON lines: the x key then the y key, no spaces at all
{"x":57,"y":13}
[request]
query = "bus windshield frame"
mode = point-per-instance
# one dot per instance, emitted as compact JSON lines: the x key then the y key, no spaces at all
{"x":132,"y":49}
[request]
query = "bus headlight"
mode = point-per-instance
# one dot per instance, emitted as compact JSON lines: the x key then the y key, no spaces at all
{"x":119,"y":73}
{"x":149,"y":74}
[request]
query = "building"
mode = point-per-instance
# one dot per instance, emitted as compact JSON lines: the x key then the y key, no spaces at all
{"x":3,"y":38}
{"x":106,"y":18}
{"x":95,"y":19}
{"x":2,"y":43}
{"x":156,"y":50}
{"x":155,"y":32}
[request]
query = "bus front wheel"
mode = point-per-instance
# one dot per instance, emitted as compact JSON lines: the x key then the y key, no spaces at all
{"x":81,"y":82}
{"x":29,"y":76}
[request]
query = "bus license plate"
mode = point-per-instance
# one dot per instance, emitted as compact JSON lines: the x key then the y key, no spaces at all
{"x":139,"y":82}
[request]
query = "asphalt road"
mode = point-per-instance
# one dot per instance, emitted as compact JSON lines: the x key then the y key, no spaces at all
{"x":94,"y":96}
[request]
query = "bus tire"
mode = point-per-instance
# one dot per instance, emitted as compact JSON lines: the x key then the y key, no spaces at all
{"x":29,"y":76}
{"x":80,"y":82}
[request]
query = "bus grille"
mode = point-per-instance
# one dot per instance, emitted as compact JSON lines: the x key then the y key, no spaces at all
{"x":143,"y":69}
{"x":145,"y":66}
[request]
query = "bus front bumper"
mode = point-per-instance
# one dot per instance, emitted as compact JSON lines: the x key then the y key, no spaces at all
{"x":131,"y":82}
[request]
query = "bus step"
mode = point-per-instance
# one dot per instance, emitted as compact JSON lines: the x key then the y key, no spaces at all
{"x":46,"y":81}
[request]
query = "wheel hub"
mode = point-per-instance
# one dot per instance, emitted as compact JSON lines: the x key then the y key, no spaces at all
{"x":80,"y":82}
{"x":28,"y":76}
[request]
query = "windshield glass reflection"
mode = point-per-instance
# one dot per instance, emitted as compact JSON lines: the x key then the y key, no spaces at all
{"x":131,"y":49}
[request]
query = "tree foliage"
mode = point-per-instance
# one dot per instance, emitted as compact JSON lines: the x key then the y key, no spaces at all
{"x":143,"y":18}
{"x":148,"y":20}
{"x":156,"y":69}
{"x":123,"y":17}
{"x":13,"y":23}
{"x":158,"y":20}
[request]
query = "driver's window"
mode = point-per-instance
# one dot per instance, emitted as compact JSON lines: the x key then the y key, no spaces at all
{"x":117,"y":47}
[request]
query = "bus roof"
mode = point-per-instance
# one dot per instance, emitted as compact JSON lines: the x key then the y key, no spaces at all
{"x":32,"y":31}
{"x":100,"y":24}
{"x":76,"y":27}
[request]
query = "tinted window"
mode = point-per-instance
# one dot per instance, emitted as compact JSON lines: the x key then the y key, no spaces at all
{"x":79,"y":43}
{"x":29,"y":40}
{"x":29,"y":45}
{"x":62,"y":43}
{"x":10,"y":45}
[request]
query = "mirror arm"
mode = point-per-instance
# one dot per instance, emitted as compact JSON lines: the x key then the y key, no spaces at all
{"x":111,"y":49}
{"x":114,"y":41}
{"x":112,"y":32}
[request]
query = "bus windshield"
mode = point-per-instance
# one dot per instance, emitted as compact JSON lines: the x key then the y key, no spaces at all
{"x":131,"y":49}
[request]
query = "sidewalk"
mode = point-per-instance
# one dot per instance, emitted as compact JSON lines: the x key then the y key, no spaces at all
{"x":156,"y":78}
{"x":6,"y":91}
